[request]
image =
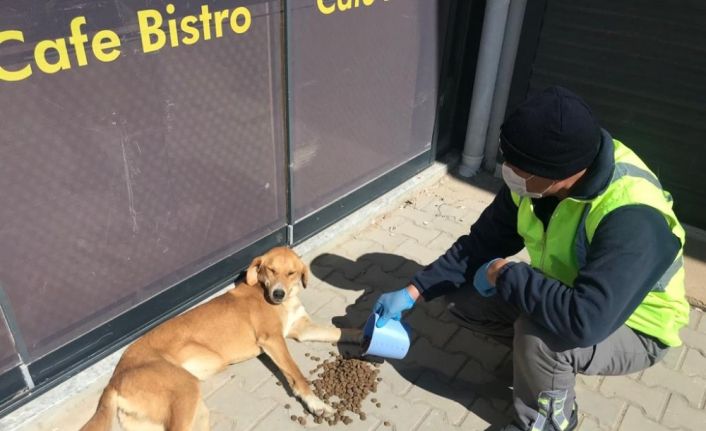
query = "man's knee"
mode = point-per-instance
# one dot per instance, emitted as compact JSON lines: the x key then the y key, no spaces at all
{"x":533,"y":343}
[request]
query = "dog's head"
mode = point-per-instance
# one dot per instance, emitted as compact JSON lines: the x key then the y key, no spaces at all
{"x":280,"y":271}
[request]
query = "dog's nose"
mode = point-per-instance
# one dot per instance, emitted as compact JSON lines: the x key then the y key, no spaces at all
{"x":278,"y":294}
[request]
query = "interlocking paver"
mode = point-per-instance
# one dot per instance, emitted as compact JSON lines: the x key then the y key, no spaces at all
{"x":442,"y":243}
{"x":455,"y":211}
{"x":390,"y":222}
{"x":339,"y":285}
{"x":482,"y":415}
{"x":232,"y":407}
{"x":387,"y":262}
{"x":316,"y":296}
{"x":435,"y":420}
{"x":384,"y":239}
{"x":436,"y":331}
{"x":651,"y":399}
{"x":421,"y":235}
{"x":326,"y":263}
{"x":674,"y":357}
{"x":635,"y":420}
{"x":416,"y":252}
{"x":588,"y":423}
{"x":454,"y":228}
{"x":605,"y":410}
{"x":692,"y":388}
{"x":380,"y":280}
{"x":453,"y":397}
{"x":488,"y":353}
{"x":694,"y":339}
{"x":475,"y":373}
{"x":355,"y":247}
{"x":399,"y":412}
{"x":423,"y":353}
{"x":245,"y":375}
{"x":694,"y":364}
{"x":680,"y":414}
{"x":590,"y":382}
{"x":398,"y":376}
{"x":416,"y":215}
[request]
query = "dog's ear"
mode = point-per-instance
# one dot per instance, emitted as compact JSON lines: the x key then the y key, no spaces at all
{"x":305,"y":275}
{"x":251,"y":275}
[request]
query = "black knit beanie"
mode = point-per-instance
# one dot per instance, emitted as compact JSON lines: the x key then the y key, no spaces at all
{"x":552,"y":134}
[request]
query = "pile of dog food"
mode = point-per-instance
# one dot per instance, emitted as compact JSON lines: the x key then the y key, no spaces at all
{"x":344,"y":383}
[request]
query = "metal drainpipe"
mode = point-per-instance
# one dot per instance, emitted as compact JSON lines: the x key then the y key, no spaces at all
{"x":513,"y":29}
{"x":491,"y":42}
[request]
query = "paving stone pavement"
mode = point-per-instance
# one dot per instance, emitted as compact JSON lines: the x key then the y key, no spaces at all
{"x":452,"y":378}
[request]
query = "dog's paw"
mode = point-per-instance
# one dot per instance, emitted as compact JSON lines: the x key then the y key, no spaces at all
{"x":318,"y":407}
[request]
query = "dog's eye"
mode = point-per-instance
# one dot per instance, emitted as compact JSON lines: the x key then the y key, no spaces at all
{"x":290,"y":273}
{"x":271,"y":270}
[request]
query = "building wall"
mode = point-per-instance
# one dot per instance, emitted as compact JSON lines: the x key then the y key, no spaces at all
{"x":641,"y":66}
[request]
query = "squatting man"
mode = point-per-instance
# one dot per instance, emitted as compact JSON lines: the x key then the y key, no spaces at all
{"x":603,"y":293}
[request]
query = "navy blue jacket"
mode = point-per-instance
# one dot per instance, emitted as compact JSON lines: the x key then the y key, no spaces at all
{"x":632,"y":247}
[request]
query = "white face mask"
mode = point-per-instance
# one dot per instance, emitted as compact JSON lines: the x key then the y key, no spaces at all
{"x":518,"y":184}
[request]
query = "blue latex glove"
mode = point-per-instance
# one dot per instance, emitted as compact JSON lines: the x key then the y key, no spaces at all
{"x":480,"y":280}
{"x":391,"y":305}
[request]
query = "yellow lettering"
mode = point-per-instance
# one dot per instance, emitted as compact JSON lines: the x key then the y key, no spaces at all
{"x":245,"y":13}
{"x":220,"y":16}
{"x":40,"y":56}
{"x":326,"y":10}
{"x":105,"y":45}
{"x":173,"y":34}
{"x":369,"y":2}
{"x":77,"y":39}
{"x":344,"y":5}
{"x":17,"y":75}
{"x":147,"y":30}
{"x":205,"y":18}
{"x":187,"y":26}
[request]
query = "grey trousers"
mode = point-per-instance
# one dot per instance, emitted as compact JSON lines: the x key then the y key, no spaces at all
{"x":544,"y":375}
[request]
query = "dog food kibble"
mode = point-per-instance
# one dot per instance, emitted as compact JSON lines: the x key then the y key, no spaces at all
{"x":386,"y":423}
{"x":287,"y":406}
{"x":278,"y":383}
{"x":377,"y":404}
{"x":293,"y":418}
{"x":374,"y":400}
{"x":306,"y":354}
{"x":343,"y":383}
{"x":302,"y":420}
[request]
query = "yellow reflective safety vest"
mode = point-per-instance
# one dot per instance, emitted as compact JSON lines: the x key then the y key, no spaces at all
{"x":560,"y":251}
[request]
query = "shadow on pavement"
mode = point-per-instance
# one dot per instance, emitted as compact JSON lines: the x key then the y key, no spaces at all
{"x":445,"y":359}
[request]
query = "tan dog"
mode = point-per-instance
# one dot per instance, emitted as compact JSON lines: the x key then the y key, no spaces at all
{"x":156,"y":381}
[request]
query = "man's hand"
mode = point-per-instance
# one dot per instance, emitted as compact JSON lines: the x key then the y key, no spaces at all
{"x":494,"y":270}
{"x":487,"y":275}
{"x":391,"y":305}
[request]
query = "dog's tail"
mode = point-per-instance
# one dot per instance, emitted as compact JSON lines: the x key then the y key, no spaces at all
{"x":105,"y":412}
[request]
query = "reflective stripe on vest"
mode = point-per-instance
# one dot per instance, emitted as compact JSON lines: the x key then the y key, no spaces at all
{"x":561,"y":250}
